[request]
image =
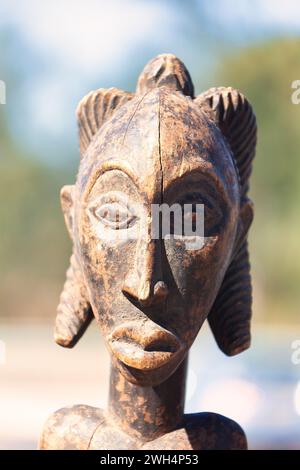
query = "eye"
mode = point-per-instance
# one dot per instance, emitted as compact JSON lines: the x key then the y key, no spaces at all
{"x":114,"y":215}
{"x":190,"y":217}
{"x":212,"y":219}
{"x":212,"y":212}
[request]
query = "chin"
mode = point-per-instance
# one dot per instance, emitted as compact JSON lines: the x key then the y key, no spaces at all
{"x":149,"y":377}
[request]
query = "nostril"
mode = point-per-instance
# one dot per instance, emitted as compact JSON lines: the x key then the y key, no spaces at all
{"x":160,"y":289}
{"x":144,"y":294}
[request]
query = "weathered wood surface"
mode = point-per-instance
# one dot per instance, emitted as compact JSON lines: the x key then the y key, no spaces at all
{"x":151,"y":296}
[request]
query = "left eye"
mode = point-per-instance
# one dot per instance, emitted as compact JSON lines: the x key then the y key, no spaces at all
{"x":114,"y":215}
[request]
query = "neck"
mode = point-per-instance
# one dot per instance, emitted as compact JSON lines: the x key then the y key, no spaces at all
{"x":148,"y":412}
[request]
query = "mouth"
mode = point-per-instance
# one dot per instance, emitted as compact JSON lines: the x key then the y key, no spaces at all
{"x":145,"y":347}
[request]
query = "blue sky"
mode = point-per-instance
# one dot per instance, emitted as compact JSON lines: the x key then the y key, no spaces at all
{"x":65,"y":47}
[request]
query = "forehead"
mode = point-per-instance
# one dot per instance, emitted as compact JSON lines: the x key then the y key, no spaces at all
{"x":159,"y":138}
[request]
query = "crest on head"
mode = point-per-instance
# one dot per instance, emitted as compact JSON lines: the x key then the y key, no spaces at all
{"x":229,"y":110}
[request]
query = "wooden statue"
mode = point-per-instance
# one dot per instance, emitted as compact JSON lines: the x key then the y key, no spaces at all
{"x":151,"y":295}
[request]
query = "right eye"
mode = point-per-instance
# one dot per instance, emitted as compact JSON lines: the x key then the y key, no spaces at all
{"x":114,"y":215}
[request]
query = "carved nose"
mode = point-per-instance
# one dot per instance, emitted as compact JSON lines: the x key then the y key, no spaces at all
{"x":144,"y":293}
{"x":143,"y":282}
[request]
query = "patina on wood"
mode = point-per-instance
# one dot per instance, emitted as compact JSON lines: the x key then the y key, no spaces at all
{"x":150,"y":296}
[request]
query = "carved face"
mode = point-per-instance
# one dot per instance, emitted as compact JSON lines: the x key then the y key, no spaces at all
{"x":149,"y":295}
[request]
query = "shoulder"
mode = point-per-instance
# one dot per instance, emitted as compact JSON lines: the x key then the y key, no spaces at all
{"x":71,"y":427}
{"x":214,"y":431}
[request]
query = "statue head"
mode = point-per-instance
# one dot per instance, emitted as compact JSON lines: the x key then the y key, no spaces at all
{"x":150,"y":160}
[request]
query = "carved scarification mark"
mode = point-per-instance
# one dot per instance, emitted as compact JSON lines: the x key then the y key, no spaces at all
{"x":162,"y":181}
{"x":132,"y":116}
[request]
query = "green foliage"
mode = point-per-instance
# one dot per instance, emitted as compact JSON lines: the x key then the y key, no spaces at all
{"x":265,"y":72}
{"x":33,"y":243}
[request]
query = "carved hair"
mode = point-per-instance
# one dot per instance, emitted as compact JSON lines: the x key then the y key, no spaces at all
{"x":230,"y":314}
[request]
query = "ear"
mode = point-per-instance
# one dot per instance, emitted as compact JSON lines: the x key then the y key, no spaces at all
{"x":245,"y":221}
{"x":74,"y":312}
{"x":67,"y":204}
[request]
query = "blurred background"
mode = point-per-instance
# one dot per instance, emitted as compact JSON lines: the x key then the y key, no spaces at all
{"x":51,"y":54}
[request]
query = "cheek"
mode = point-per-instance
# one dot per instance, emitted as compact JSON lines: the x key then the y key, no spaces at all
{"x":198,"y":275}
{"x":104,"y":268}
{"x":196,"y":267}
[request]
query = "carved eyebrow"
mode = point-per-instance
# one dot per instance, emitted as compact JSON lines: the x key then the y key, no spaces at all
{"x":209,"y":176}
{"x":124,"y":167}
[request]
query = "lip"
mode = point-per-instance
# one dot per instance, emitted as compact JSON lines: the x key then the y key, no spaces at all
{"x":144,"y":347}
